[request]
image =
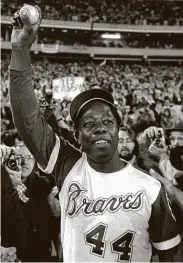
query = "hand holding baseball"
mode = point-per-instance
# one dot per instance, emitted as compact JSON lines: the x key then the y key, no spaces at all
{"x":25,"y":26}
{"x":31,"y":12}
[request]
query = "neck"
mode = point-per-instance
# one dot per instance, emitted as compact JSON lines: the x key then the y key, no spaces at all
{"x":109,"y":166}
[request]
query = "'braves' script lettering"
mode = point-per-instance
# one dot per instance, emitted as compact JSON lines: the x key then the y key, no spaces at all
{"x":78,"y":203}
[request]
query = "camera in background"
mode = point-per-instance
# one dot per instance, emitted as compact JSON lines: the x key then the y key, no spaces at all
{"x":176,"y":157}
{"x":12,"y":161}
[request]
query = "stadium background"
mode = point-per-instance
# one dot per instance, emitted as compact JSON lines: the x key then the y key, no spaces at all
{"x":133,"y":48}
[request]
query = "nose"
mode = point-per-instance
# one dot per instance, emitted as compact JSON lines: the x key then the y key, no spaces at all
{"x":99,"y":129}
{"x":124,"y":143}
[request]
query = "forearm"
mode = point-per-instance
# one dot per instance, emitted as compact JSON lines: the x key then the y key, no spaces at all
{"x":163,"y":164}
{"x":20,"y":58}
{"x":176,"y":195}
{"x":33,"y":129}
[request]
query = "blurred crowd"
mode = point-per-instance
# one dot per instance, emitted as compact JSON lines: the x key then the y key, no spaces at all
{"x":144,"y":93}
{"x":81,"y":39}
{"x":139,"y":12}
{"x":135,"y":40}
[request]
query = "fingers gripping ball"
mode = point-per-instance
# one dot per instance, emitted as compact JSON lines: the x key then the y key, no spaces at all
{"x":32,"y":13}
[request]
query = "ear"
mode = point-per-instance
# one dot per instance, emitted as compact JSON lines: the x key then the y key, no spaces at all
{"x":77,"y":136}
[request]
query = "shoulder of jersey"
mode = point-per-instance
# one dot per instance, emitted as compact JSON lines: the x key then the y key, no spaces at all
{"x":147,"y":182}
{"x":143,"y":174}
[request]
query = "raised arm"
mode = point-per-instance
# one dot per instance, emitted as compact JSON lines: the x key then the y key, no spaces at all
{"x":33,"y":129}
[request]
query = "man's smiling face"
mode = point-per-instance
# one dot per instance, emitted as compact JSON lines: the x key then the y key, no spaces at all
{"x":98,"y":131}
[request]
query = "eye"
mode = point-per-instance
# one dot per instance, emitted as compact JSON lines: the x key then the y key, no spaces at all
{"x":128,"y":140}
{"x":108,"y":122}
{"x":88,"y":124}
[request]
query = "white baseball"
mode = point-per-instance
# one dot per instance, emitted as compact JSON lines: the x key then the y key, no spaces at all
{"x":32,"y":13}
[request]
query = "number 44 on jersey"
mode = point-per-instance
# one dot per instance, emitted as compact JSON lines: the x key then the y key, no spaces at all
{"x":122,"y":245}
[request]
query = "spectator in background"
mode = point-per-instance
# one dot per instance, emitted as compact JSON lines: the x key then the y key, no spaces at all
{"x":127,"y":145}
{"x":166,"y":118}
{"x":124,"y":12}
{"x":145,"y":115}
{"x":145,"y":160}
{"x":167,"y":102}
{"x":137,"y":96}
{"x":37,"y":209}
{"x":13,"y":222}
{"x":158,"y":111}
{"x":175,"y":138}
{"x":170,"y":117}
{"x":34,"y":210}
{"x":170,"y":173}
{"x":7,"y":115}
{"x":157,"y":94}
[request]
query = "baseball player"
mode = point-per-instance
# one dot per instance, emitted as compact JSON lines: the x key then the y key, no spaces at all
{"x":110,"y":211}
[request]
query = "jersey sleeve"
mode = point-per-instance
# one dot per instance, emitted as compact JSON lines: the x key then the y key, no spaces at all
{"x":62,"y":159}
{"x":37,"y":135}
{"x":163,"y":230}
{"x":65,"y":158}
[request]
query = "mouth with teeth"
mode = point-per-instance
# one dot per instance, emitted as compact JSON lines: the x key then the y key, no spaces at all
{"x":124,"y":150}
{"x":101,"y":143}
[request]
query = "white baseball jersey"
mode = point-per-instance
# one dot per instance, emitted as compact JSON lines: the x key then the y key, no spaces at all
{"x":109,"y":217}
